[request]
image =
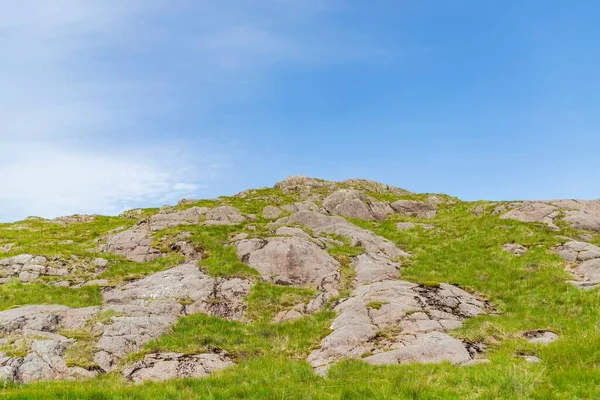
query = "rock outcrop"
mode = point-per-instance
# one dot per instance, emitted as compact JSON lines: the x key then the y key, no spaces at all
{"x":584,"y":259}
{"x":320,"y":224}
{"x":418,"y":209}
{"x":396,"y":322}
{"x":353,"y":203}
{"x":164,"y":366}
{"x":534,"y":212}
{"x":27,"y":268}
{"x":135,"y":243}
{"x":292,"y":261}
{"x":139,"y":312}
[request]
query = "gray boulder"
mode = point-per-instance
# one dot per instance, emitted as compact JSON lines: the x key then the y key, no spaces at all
{"x":514,"y":248}
{"x":534,"y":212}
{"x":290,"y":261}
{"x":419,"y":209}
{"x":395,"y":322}
{"x":586,"y":260}
{"x":353,"y":203}
{"x":374,"y":267}
{"x":164,"y":366}
{"x":271,"y":212}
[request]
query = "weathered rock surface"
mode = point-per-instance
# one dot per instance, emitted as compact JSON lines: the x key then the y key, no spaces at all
{"x":141,"y":311}
{"x":74,"y":219}
{"x":164,"y":366}
{"x":541,"y":336}
{"x":353,"y":203}
{"x":44,"y":362}
{"x":290,"y":261}
{"x":514,"y":248}
{"x":534,"y":212}
{"x":28,"y":267}
{"x":581,"y":214}
{"x":418,"y":209}
{"x":374,"y":267}
{"x":224,"y":215}
{"x":395,"y":322}
{"x":585,"y":260}
{"x":135,"y":243}
{"x":271,"y":212}
{"x":320,"y":223}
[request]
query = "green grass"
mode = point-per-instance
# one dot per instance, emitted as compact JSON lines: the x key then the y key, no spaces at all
{"x":203,"y":333}
{"x":14,"y":294}
{"x":218,"y":258}
{"x":266,"y":300}
{"x":529,"y":292}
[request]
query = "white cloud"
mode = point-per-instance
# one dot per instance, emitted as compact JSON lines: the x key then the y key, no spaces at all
{"x":50,"y":182}
{"x":75,"y":86}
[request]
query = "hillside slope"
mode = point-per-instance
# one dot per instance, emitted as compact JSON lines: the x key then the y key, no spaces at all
{"x":310,"y":289}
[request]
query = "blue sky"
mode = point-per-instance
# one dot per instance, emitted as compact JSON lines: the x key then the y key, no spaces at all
{"x":108,"y":105}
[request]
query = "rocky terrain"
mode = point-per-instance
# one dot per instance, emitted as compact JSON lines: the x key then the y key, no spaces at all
{"x":324,"y":275}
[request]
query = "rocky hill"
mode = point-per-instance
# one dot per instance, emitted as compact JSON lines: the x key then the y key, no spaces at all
{"x":309,"y":289}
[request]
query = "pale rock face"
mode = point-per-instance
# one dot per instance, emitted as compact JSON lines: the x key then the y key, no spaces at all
{"x":398,"y":322}
{"x":135,"y":243}
{"x":28,"y":267}
{"x":271,"y":212}
{"x":320,"y":223}
{"x":540,"y":337}
{"x":164,"y":366}
{"x":352,"y":203}
{"x":376,"y":267}
{"x":586,"y":260}
{"x":534,"y":212}
{"x":143,"y":310}
{"x":290,"y":261}
{"x":224,"y":215}
{"x":418,"y":209}
{"x":581,"y":214}
{"x":301,"y":184}
{"x":44,"y":362}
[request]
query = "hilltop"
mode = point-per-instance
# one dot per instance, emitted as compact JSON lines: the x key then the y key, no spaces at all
{"x":309,"y":289}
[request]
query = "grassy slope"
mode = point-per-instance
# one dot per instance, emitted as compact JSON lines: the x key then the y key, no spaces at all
{"x":529,"y":291}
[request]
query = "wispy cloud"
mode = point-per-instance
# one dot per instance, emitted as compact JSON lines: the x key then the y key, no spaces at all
{"x":87,"y":86}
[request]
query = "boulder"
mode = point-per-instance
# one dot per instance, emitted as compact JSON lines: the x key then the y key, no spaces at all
{"x":353,"y":203}
{"x":540,"y":336}
{"x":163,"y":366}
{"x":514,"y":248}
{"x":419,"y":209}
{"x":374,"y":267}
{"x":292,"y":261}
{"x":28,"y":267}
{"x":395,"y":322}
{"x":271,"y":212}
{"x":586,"y":260}
{"x":224,"y":215}
{"x":534,"y":212}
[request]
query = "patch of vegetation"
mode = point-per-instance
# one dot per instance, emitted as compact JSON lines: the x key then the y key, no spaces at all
{"x":266,"y":300}
{"x":14,"y":347}
{"x":202,"y":333}
{"x":376,"y":305}
{"x":14,"y":294}
{"x":218,"y":258}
